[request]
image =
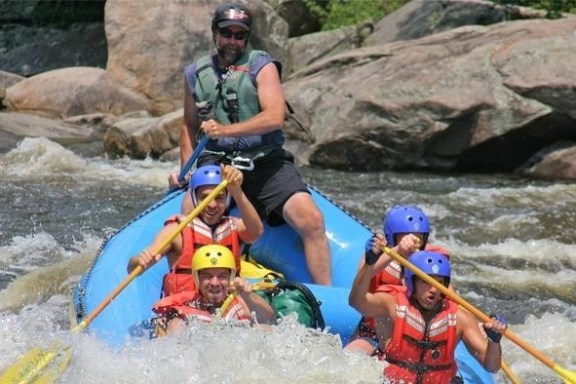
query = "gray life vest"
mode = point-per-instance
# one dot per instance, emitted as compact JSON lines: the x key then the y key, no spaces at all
{"x":234,"y":98}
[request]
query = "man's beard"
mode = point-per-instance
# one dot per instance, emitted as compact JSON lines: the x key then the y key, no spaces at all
{"x":229,"y":54}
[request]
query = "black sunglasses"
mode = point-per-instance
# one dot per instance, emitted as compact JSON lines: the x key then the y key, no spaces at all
{"x":226,"y":33}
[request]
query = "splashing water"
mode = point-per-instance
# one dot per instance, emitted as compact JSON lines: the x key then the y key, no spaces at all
{"x":511,"y":239}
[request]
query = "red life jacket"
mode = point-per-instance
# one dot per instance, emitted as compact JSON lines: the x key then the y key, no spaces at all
{"x":189,"y":305}
{"x":421,"y":352}
{"x":391,"y":275}
{"x":194,"y":236}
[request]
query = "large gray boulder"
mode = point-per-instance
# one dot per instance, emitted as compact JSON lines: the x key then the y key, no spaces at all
{"x":418,"y":19}
{"x":149,"y":46}
{"x":555,"y":162}
{"x":16,"y":126}
{"x":470,"y":99}
{"x":7,"y":80}
{"x":72,"y":91}
{"x":142,"y":137}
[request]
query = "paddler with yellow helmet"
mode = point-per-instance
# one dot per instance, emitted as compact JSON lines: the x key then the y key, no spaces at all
{"x":214,"y":272}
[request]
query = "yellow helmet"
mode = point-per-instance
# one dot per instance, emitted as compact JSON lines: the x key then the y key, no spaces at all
{"x":213,"y":256}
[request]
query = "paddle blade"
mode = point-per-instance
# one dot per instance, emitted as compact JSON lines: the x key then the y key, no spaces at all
{"x":568,"y":376}
{"x":52,"y":375}
{"x":36,"y":366}
{"x":27,"y":363}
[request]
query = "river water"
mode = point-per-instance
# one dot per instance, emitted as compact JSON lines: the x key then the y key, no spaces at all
{"x":511,"y":241}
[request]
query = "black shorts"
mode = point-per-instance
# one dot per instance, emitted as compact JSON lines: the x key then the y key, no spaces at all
{"x":273,"y":181}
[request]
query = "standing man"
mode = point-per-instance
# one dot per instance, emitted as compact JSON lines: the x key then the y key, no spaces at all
{"x":244,"y":89}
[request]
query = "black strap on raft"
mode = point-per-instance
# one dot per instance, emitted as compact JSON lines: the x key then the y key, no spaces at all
{"x":419,"y":367}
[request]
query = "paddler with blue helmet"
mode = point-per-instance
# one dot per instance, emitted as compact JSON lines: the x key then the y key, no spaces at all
{"x":418,"y":327}
{"x":406,"y":230}
{"x":212,"y":225}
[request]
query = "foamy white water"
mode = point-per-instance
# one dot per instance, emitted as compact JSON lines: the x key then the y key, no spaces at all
{"x":42,"y":158}
{"x":511,"y":241}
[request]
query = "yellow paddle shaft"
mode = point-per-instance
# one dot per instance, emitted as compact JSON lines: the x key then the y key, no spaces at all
{"x":226,"y":303}
{"x":509,"y":373}
{"x":138,"y":270}
{"x":233,"y":294}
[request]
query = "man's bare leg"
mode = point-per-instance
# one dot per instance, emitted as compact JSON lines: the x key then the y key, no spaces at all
{"x":303,"y":215}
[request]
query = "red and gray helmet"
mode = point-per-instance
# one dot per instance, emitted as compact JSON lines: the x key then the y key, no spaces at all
{"x":230,"y":14}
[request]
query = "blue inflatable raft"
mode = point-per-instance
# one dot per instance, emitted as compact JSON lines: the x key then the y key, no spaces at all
{"x":280,"y":249}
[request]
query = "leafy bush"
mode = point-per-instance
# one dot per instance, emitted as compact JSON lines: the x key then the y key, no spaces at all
{"x":337,"y":13}
{"x":553,"y":8}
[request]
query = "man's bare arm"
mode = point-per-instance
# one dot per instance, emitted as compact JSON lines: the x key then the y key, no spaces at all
{"x":487,"y":352}
{"x":368,"y":304}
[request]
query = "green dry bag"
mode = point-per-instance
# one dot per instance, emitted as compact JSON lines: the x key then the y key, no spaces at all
{"x":293,"y":297}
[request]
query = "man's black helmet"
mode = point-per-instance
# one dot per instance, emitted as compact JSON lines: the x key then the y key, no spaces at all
{"x":232,"y":14}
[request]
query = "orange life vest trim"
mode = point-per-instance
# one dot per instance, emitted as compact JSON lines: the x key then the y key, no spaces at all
{"x":239,"y":68}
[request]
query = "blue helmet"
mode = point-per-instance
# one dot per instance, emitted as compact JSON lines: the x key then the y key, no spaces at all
{"x":405,"y":219}
{"x":431,"y":263}
{"x":206,"y":175}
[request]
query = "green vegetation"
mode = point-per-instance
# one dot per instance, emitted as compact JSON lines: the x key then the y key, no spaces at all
{"x":553,"y":8}
{"x":336,"y":13}
{"x":331,"y":13}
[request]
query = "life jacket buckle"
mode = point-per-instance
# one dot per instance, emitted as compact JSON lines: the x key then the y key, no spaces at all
{"x":243,"y":163}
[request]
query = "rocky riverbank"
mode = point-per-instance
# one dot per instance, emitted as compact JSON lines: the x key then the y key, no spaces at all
{"x":462,"y":85}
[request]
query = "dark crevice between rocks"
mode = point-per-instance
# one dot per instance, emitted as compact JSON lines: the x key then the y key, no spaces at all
{"x":349,"y":154}
{"x":54,"y":13}
{"x":42,"y":35}
{"x":510,"y":151}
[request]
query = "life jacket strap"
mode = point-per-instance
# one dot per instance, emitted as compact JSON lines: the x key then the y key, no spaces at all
{"x":418,"y":367}
{"x":244,"y":160}
{"x":183,"y":271}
